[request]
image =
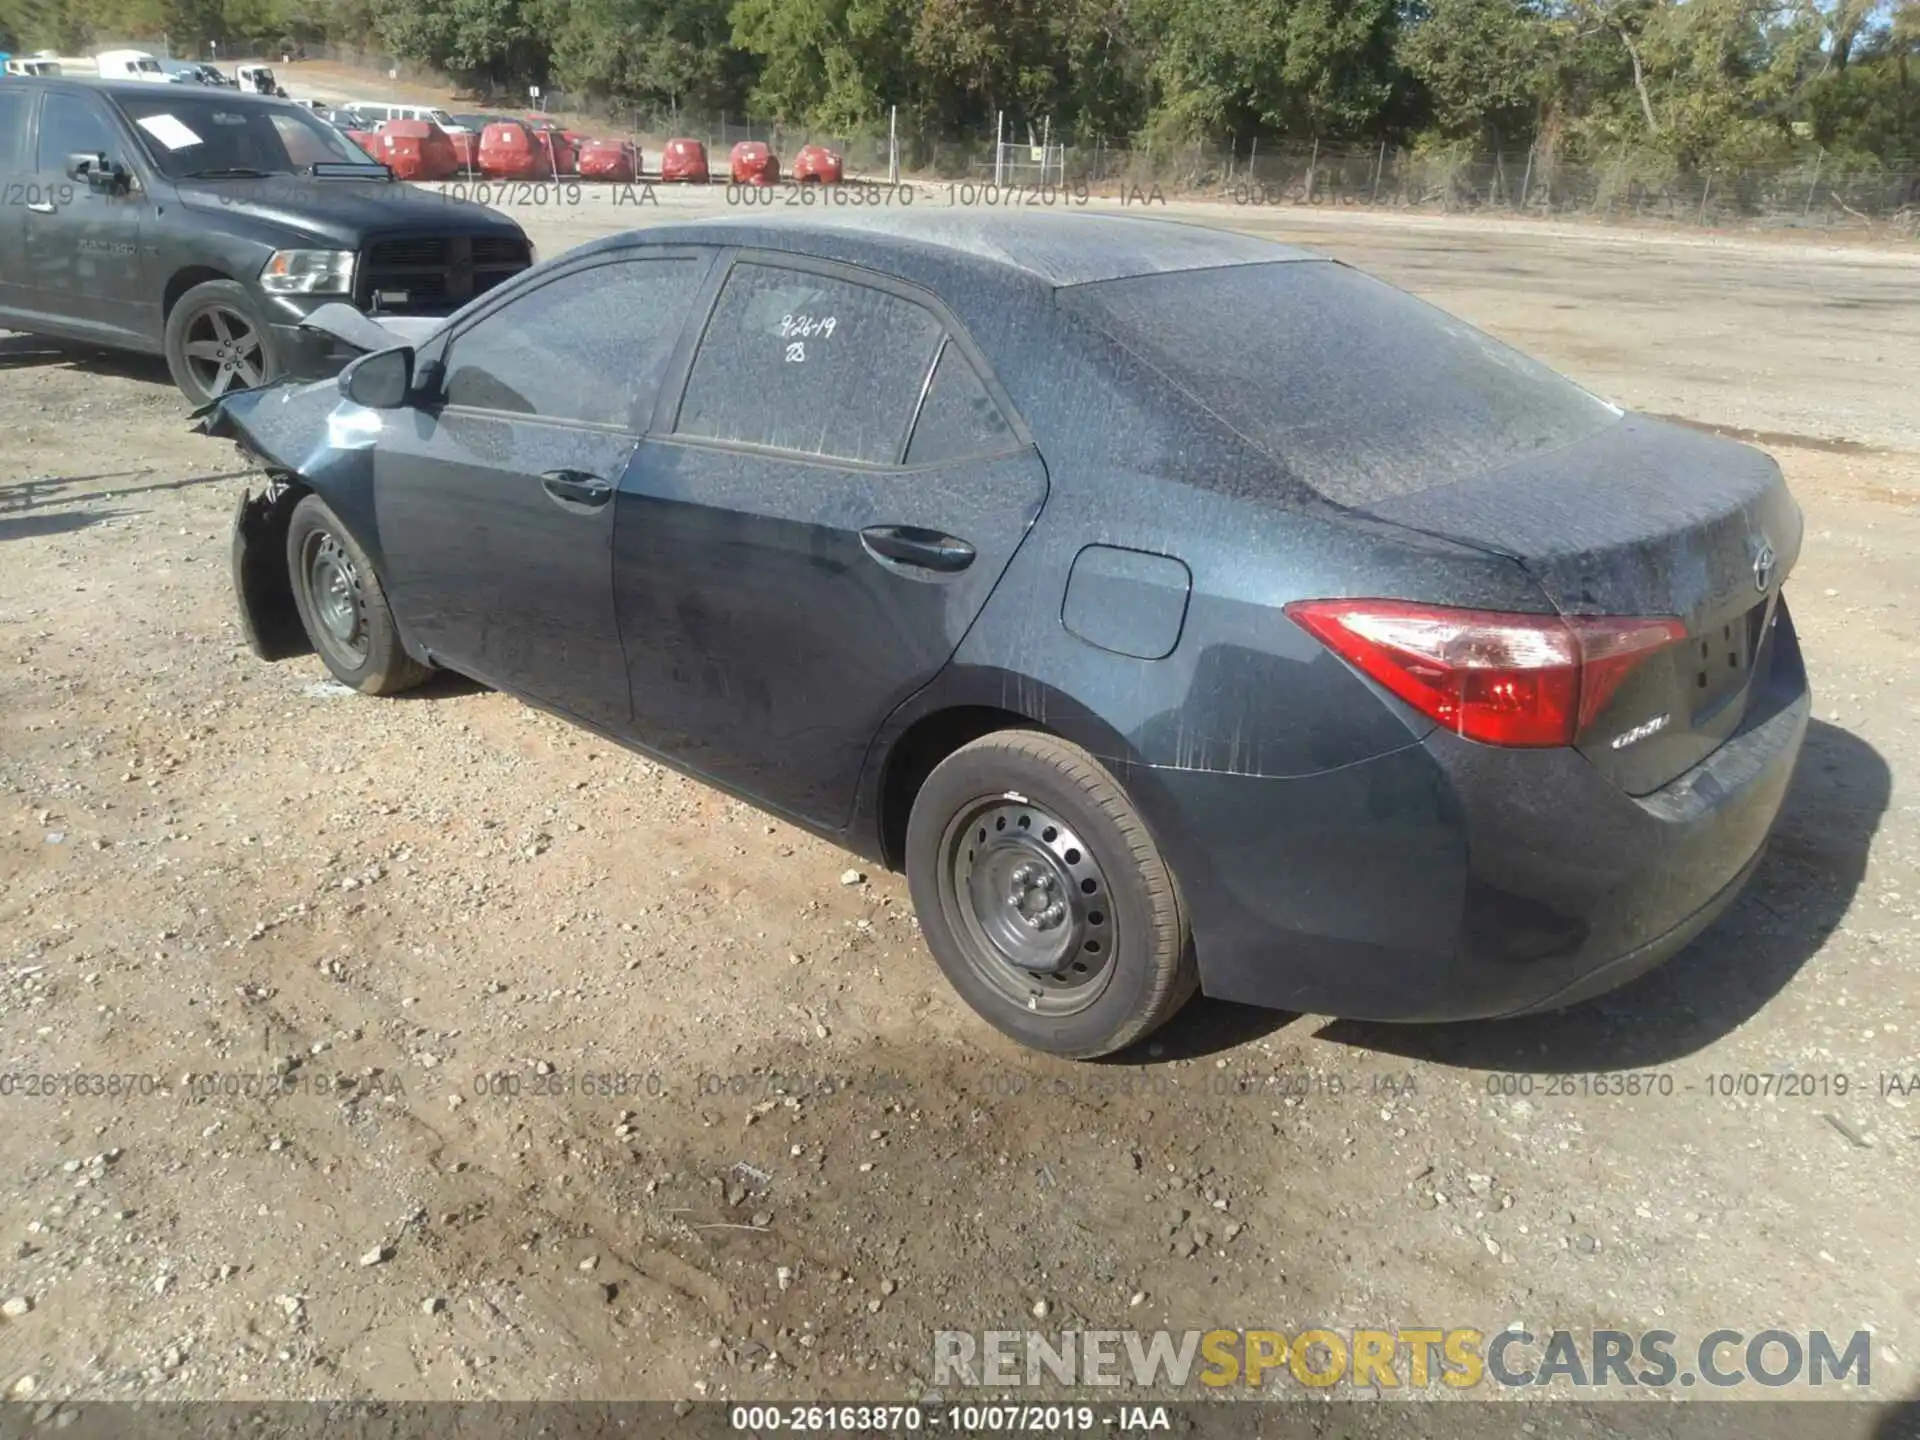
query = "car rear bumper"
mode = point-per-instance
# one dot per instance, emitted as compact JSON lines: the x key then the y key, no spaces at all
{"x":1450,"y":881}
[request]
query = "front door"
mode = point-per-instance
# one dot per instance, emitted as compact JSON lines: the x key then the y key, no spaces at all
{"x":16,"y":189}
{"x":82,"y":246}
{"x":495,"y":499}
{"x":809,"y":541}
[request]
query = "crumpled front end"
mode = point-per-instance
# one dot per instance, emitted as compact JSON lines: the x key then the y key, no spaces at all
{"x":309,"y":440}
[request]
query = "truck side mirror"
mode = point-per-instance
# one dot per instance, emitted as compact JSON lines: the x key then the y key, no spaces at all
{"x":98,"y":173}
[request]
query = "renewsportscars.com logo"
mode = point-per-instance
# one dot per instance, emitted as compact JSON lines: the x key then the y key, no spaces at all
{"x":1415,"y":1357}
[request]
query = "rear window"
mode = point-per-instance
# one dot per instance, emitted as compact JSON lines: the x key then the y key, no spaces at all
{"x":958,"y":419}
{"x":1359,"y":390}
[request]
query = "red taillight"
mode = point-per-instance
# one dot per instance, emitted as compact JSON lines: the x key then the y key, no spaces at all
{"x":1532,"y":680}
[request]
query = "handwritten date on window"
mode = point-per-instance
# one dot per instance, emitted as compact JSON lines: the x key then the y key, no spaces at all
{"x":796,"y":330}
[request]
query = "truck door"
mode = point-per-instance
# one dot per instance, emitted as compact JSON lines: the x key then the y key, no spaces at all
{"x":16,"y":116}
{"x":82,"y":247}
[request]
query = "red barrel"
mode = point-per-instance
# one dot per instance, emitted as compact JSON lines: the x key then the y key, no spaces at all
{"x":614,"y":160}
{"x":685,"y":160}
{"x":817,"y":163}
{"x":415,"y":150}
{"x":510,"y":151}
{"x":754,"y":164}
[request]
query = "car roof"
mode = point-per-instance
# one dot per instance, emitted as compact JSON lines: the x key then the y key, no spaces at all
{"x":1058,"y":249}
{"x":143,"y":90}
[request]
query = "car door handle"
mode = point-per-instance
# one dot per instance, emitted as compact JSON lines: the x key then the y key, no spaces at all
{"x":576,"y":487}
{"x":911,"y":545}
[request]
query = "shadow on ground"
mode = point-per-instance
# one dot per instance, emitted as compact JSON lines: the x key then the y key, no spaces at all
{"x":26,"y":352}
{"x":27,"y":507}
{"x":443,"y":685}
{"x":1797,"y":899}
{"x":1901,"y":1421}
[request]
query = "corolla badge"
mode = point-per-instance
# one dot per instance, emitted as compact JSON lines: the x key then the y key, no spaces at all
{"x":1763,"y":562}
{"x":1640,"y":732}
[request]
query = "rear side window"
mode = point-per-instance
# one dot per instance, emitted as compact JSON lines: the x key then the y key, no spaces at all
{"x":15,"y":105}
{"x":958,"y":418}
{"x":1355,"y":388}
{"x":588,"y":346}
{"x":810,"y":363}
{"x":73,"y":125}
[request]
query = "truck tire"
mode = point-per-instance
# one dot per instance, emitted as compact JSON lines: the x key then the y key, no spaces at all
{"x":216,"y":342}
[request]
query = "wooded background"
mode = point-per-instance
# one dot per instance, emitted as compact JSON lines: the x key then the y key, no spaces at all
{"x":1696,"y":87}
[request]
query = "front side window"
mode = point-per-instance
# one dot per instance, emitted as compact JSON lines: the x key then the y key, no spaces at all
{"x":73,"y":125}
{"x":15,"y":105}
{"x":589,"y":346}
{"x":810,"y":363}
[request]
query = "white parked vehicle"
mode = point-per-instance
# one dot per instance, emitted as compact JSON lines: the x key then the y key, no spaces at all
{"x":256,"y":79}
{"x":131,"y":65}
{"x":184,"y":72}
{"x":47,"y":68}
{"x":378,"y":113}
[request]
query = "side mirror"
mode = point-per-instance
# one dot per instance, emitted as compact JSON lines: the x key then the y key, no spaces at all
{"x":98,"y":173}
{"x":380,"y":381}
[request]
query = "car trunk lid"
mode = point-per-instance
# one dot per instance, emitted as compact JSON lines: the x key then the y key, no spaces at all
{"x":1642,"y":518}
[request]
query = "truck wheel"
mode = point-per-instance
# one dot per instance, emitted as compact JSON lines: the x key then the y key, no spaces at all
{"x":217,"y":342}
{"x":342,"y":605}
{"x":1043,"y":897}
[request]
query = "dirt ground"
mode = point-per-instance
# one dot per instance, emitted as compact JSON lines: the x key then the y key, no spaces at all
{"x":464,"y":1055}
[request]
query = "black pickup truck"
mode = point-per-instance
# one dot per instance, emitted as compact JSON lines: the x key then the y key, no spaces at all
{"x":203,"y":225}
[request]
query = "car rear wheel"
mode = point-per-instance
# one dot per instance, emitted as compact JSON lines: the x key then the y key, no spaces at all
{"x":1043,"y":897}
{"x":216,"y":342}
{"x":342,"y":605}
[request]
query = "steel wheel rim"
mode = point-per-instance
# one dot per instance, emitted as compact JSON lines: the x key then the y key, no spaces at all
{"x":1031,"y":904}
{"x":223,"y":349}
{"x":337,"y":598}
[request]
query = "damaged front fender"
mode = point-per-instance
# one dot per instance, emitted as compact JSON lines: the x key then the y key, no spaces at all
{"x":310,"y":440}
{"x":269,"y":618}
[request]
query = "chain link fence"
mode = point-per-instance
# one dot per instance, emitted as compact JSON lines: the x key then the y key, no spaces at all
{"x":1816,"y":191}
{"x":1812,"y":191}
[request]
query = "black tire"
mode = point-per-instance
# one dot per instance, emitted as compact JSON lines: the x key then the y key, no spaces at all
{"x":217,"y":342}
{"x":342,"y":606}
{"x":1020,"y":814}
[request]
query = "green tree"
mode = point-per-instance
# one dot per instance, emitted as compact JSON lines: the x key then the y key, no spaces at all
{"x":490,"y":45}
{"x":1301,"y":67}
{"x":654,"y":54}
{"x":827,"y":62}
{"x":1486,"y":65}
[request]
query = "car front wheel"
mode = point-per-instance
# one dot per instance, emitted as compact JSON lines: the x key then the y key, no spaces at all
{"x":342,"y":605}
{"x":216,"y":342}
{"x":1044,"y":899}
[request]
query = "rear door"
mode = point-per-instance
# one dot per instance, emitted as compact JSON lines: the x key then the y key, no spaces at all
{"x":807,"y":537}
{"x":495,"y":502}
{"x":82,"y":246}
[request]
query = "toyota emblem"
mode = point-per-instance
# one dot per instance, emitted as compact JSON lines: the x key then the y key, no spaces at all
{"x":1763,"y":562}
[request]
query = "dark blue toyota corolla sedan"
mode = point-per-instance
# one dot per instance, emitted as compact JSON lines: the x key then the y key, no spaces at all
{"x":1177,"y":609}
